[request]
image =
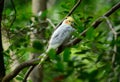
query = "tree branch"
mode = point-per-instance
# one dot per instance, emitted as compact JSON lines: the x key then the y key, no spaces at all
{"x":28,"y":73}
{"x":71,"y":11}
{"x":107,"y":14}
{"x":96,"y":23}
{"x":28,"y":63}
{"x":115,"y":38}
{"x":51,"y":23}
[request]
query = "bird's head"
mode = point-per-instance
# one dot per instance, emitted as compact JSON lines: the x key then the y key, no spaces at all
{"x":69,"y":20}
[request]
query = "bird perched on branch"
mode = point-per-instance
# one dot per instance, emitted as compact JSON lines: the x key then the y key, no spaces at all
{"x":61,"y":35}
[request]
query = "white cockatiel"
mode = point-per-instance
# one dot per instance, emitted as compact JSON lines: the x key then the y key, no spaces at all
{"x":60,"y":36}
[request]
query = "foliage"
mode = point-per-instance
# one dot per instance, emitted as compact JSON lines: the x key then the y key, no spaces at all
{"x":88,"y":61}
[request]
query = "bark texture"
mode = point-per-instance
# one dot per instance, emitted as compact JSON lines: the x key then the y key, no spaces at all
{"x":2,"y":67}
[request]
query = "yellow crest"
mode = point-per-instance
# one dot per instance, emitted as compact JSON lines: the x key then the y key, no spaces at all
{"x":70,"y":18}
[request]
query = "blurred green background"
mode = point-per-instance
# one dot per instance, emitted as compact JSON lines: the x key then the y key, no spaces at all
{"x":88,"y":61}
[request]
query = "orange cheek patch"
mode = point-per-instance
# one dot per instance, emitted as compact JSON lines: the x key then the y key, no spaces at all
{"x":66,"y":22}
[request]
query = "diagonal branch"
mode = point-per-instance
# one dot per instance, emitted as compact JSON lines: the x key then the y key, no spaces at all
{"x":96,"y":23}
{"x":28,"y":63}
{"x":51,"y":23}
{"x":115,"y":38}
{"x":107,"y":14}
{"x":71,"y":11}
{"x":28,"y":72}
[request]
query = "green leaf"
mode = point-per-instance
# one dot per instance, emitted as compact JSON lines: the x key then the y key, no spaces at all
{"x":37,"y":45}
{"x":66,"y":54}
{"x":88,"y":58}
{"x":43,"y":15}
{"x":60,"y":66}
{"x":82,"y":52}
{"x":19,"y":78}
{"x":90,"y":33}
{"x":52,"y":54}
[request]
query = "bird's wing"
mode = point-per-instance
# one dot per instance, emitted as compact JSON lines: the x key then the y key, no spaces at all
{"x":60,"y":35}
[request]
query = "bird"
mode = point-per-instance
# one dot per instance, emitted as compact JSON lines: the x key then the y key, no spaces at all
{"x":60,"y":36}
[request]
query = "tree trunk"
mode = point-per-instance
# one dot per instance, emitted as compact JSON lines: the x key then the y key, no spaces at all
{"x":37,"y":7}
{"x":2,"y":67}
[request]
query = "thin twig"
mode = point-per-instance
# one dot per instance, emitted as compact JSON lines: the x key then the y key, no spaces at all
{"x":13,"y":5}
{"x":110,"y":25}
{"x":70,"y":12}
{"x":28,"y":73}
{"x":51,"y":23}
{"x":115,"y":46}
{"x":115,"y":38}
{"x":114,"y":49}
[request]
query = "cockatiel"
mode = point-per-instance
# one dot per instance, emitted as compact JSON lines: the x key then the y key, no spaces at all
{"x":60,"y":36}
